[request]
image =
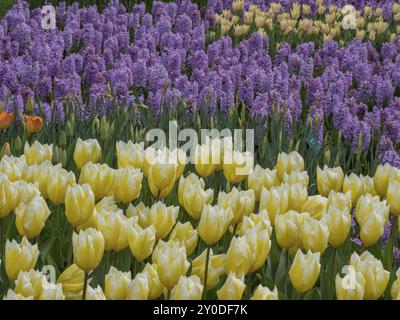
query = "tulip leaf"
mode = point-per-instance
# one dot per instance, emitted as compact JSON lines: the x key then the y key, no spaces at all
{"x":45,"y":248}
{"x":313,"y":294}
{"x":281,"y":273}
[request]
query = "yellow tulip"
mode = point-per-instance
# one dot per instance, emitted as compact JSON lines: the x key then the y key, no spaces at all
{"x":304,"y":270}
{"x":393,"y":195}
{"x":13,"y":167}
{"x":339,"y":225}
{"x":20,"y":257}
{"x":8,"y":196}
{"x":376,"y":277}
{"x":315,"y":235}
{"x":162,"y":174}
{"x":288,"y":163}
{"x":381,"y":179}
{"x":38,"y":153}
{"x":238,"y":166}
{"x":214,"y":222}
{"x":275,"y":201}
{"x":232,"y":289}
{"x":316,"y":206}
{"x":238,"y":257}
{"x":128,"y":184}
{"x":188,"y":288}
{"x":259,"y":222}
{"x":341,"y":201}
{"x":79,"y":204}
{"x":372,"y":228}
{"x":11,"y":295}
{"x":260,"y":245}
{"x":86,"y":151}
{"x":355,"y":184}
{"x":186,"y":235}
{"x":26,"y":191}
{"x":57,"y":184}
{"x":155,"y":287}
{"x":263,"y":293}
{"x":115,"y":228}
{"x":138,"y":289}
{"x":241,"y":202}
{"x":260,"y":178}
{"x":100,"y":177}
{"x":369,"y":186}
{"x":116,"y":284}
{"x":30,"y":283}
{"x":40,"y":175}
{"x":368,"y":204}
{"x":288,"y":228}
{"x":149,"y":157}
{"x":52,"y":291}
{"x":95,"y":293}
{"x":296,"y":177}
{"x":351,"y":286}
{"x":207,"y":158}
{"x":171,"y":262}
{"x":192,"y":196}
{"x":141,"y":241}
{"x":298,"y":196}
{"x":163,"y":218}
{"x":141,"y":212}
{"x":88,"y":249}
{"x":72,"y":280}
{"x":329,"y":179}
{"x":31,"y":217}
{"x":215,"y":268}
{"x":106,"y":204}
{"x":181,"y":160}
{"x":130,"y":154}
{"x":395,"y":289}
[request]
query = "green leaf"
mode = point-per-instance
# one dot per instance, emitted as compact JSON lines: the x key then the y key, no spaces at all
{"x":313,"y":294}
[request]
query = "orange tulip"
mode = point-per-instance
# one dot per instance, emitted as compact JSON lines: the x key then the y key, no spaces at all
{"x":6,"y":118}
{"x":33,"y":123}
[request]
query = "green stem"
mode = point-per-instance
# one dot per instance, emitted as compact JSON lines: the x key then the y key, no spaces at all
{"x":70,"y":249}
{"x":1,"y":239}
{"x":206,"y":272}
{"x":332,"y":276}
{"x":85,"y":283}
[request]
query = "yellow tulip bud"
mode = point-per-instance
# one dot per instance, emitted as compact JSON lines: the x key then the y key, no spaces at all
{"x":162,"y":174}
{"x":128,"y":184}
{"x":238,"y":257}
{"x":258,"y":222}
{"x":338,"y":222}
{"x":329,"y":179}
{"x":40,"y":175}
{"x":186,"y":235}
{"x":355,"y":184}
{"x":79,"y":204}
{"x":116,"y":284}
{"x":214,"y":222}
{"x":298,"y":196}
{"x":341,"y":201}
{"x":294,"y":177}
{"x":192,"y":196}
{"x":381,"y":179}
{"x":95,"y":293}
{"x":393,"y":195}
{"x":20,"y":257}
{"x":26,"y":191}
{"x":351,"y":286}
{"x":376,"y":277}
{"x":263,"y":293}
{"x":369,"y":186}
{"x":232,"y":289}
{"x":11,"y":295}
{"x":163,"y":218}
{"x":72,"y":280}
{"x":86,"y":151}
{"x":155,"y":287}
{"x":57,"y":184}
{"x":13,"y":167}
{"x":215,"y":268}
{"x":288,"y":163}
{"x":31,"y":217}
{"x":38,"y":153}
{"x":130,"y":154}
{"x":141,"y":241}
{"x":180,"y":160}
{"x":8,"y":198}
{"x":315,"y":235}
{"x":30,"y":283}
{"x":138,"y":289}
{"x":275,"y":201}
{"x":304,"y":270}
{"x":100,"y":177}
{"x":88,"y":249}
{"x":395,"y":289}
{"x":260,"y":245}
{"x":237,"y":166}
{"x":171,"y":262}
{"x":260,"y":178}
{"x":188,"y":288}
{"x":372,"y":228}
{"x":114,"y":227}
{"x":288,"y":228}
{"x":52,"y":291}
{"x":141,"y":212}
{"x":316,"y":206}
{"x":241,"y":202}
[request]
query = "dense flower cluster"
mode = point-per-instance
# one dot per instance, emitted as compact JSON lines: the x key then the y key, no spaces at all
{"x":168,"y":56}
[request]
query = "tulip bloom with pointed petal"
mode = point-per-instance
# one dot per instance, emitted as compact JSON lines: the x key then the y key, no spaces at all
{"x":30,"y":283}
{"x":38,"y":153}
{"x":275,"y":201}
{"x":382,"y":179}
{"x":116,"y":284}
{"x":100,"y":177}
{"x":288,"y":163}
{"x":6,"y":119}
{"x":315,"y":235}
{"x":238,"y":257}
{"x":356,"y":185}
{"x":232,"y":289}
{"x":139,"y":288}
{"x":20,"y":257}
{"x":241,"y":202}
{"x":57,"y":184}
{"x":329,"y":179}
{"x":8,"y":196}
{"x":33,"y":124}
{"x":393,"y":196}
{"x":188,"y":288}
{"x":130,"y":154}
{"x":141,"y":241}
{"x":186,"y":235}
{"x":79,"y":204}
{"x":86,"y":151}
{"x":215,"y":268}
{"x":155,"y":286}
{"x":304,"y":270}
{"x":72,"y":281}
{"x":163,"y":218}
{"x":238,"y":166}
{"x":263,"y":293}
{"x":351,"y":286}
{"x":339,"y":225}
{"x":128,"y":184}
{"x":260,"y":178}
{"x":316,"y":206}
